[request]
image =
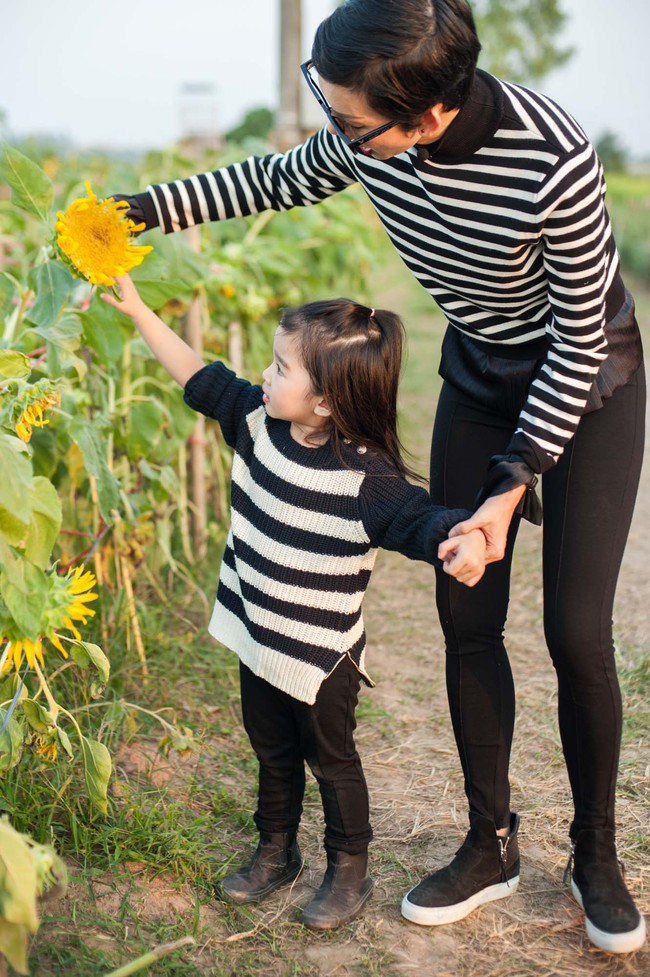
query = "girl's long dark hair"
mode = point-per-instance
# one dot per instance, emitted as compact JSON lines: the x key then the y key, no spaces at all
{"x":403,"y":56}
{"x":353,"y":355}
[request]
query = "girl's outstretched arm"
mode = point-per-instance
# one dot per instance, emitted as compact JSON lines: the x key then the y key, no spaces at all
{"x":172,"y":352}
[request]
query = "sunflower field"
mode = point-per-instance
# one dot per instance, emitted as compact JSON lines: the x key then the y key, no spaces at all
{"x":111,"y":491}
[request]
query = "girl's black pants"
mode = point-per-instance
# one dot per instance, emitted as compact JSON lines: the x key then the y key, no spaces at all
{"x":285,"y":732}
{"x":588,"y":499}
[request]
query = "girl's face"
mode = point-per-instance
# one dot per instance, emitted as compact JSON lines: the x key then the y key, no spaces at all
{"x":287,"y":387}
{"x":356,"y":118}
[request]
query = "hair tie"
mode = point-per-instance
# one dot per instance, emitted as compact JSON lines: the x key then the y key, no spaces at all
{"x":372,"y":312}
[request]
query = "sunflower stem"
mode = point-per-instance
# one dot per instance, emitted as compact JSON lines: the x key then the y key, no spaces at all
{"x":127,"y":581}
{"x":54,"y":706}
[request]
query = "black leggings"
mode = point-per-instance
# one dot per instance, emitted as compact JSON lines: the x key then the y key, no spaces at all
{"x":285,"y":733}
{"x":588,"y":499}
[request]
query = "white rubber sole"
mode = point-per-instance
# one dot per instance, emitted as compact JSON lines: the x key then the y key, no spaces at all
{"x":440,"y":915}
{"x":611,"y":942}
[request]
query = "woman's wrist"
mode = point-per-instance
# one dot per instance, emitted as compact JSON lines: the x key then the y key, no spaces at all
{"x":512,"y":477}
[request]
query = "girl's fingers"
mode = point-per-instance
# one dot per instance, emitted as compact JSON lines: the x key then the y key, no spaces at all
{"x":446,"y":547}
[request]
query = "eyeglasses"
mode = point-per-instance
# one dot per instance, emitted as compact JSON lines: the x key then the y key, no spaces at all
{"x":336,"y":124}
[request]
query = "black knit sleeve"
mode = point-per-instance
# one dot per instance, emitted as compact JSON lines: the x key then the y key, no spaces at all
{"x":400,"y":516}
{"x":219,"y":393}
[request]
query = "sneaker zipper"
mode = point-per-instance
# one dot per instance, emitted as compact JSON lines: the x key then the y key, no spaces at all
{"x":503,"y":858}
{"x":569,"y":865}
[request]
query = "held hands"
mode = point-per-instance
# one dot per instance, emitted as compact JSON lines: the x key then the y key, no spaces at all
{"x":463,"y":557}
{"x":493,"y":518}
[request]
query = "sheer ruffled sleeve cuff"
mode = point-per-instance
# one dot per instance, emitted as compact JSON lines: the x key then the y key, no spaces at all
{"x":506,"y":472}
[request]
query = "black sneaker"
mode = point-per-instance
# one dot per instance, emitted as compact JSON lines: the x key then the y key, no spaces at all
{"x":485,"y":868}
{"x":276,"y":862}
{"x":613,"y":922}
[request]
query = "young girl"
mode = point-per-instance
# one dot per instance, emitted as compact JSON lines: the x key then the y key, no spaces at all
{"x":318,"y":483}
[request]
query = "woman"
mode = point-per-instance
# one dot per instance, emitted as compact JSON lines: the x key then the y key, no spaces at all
{"x":494,"y":198}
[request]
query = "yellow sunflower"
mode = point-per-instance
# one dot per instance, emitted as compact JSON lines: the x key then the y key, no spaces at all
{"x":46,"y":747}
{"x":66,"y":604}
{"x":32,"y":415}
{"x":95,"y":236}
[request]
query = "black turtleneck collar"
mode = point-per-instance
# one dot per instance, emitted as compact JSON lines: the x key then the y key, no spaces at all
{"x":477,"y":121}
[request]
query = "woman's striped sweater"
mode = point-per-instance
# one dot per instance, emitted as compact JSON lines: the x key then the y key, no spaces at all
{"x":303,"y":539}
{"x":502,"y":221}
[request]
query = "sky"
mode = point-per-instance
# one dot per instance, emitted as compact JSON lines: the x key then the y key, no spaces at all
{"x":110,"y":75}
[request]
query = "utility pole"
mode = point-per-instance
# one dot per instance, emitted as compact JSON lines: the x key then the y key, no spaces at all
{"x":288,"y":130}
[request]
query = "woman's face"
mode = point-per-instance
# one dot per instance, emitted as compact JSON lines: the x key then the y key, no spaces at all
{"x":356,"y":118}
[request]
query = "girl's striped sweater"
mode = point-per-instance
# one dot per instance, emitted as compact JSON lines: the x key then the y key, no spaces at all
{"x":502,"y":221}
{"x":303,"y":539}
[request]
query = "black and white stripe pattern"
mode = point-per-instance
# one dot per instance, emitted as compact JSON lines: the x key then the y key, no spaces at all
{"x":303,"y":540}
{"x":512,"y":241}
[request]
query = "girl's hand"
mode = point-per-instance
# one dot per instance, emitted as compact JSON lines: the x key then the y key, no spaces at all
{"x":464,"y":557}
{"x":493,"y":518}
{"x":172,"y":352}
{"x":130,"y":302}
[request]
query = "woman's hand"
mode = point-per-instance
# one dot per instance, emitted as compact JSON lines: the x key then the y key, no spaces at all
{"x":493,"y":518}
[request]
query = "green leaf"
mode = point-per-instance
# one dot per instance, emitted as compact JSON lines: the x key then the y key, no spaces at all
{"x":64,"y":740}
{"x":52,"y":283}
{"x":97,"y":772}
{"x":17,"y":878}
{"x":83,"y":653}
{"x":164,"y":476}
{"x":47,"y":451}
{"x":156,"y":282}
{"x":9,"y":684}
{"x":45,"y":522}
{"x":106,"y":330}
{"x":11,"y":745}
{"x":14,"y":365}
{"x":24,"y":589}
{"x":7,"y":292}
{"x":32,"y":190}
{"x":146,"y":426}
{"x":14,"y":939}
{"x":15,"y":488}
{"x":37,"y":716}
{"x":87,"y":436}
{"x":62,"y":338}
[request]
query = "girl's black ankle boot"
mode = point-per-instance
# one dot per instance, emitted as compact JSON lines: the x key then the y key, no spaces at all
{"x":613,"y":922}
{"x":345,"y":888}
{"x":485,"y":868}
{"x":276,"y":862}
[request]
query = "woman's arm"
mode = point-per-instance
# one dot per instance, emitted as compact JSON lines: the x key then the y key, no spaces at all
{"x":303,"y":176}
{"x":172,"y":352}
